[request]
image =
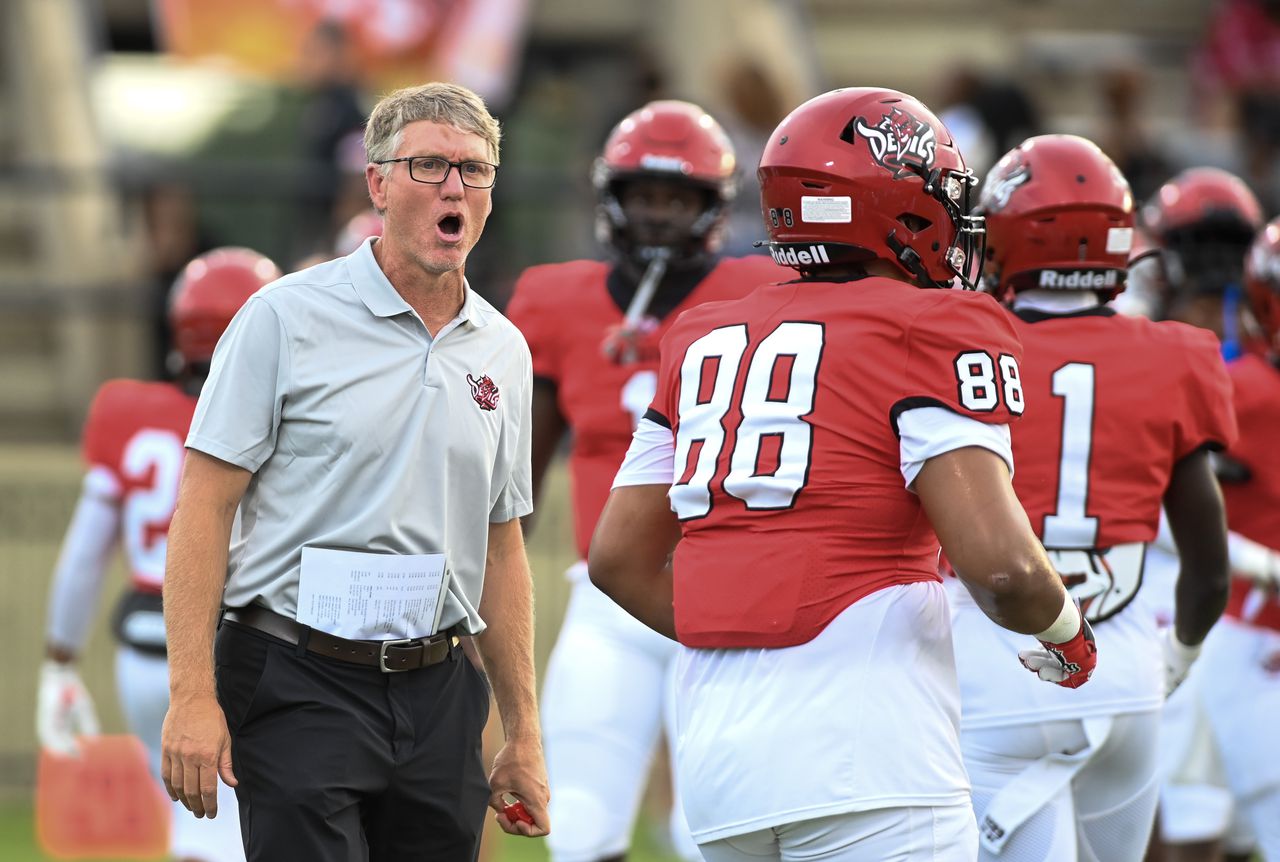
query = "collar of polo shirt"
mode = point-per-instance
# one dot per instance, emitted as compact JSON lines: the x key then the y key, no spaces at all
{"x":381,"y":298}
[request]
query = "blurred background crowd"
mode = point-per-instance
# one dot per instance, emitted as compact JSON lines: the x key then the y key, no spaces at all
{"x":136,"y":134}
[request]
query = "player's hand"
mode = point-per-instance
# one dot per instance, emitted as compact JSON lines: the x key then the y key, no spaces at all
{"x":1178,"y":658}
{"x":195,"y":750}
{"x":520,"y":771}
{"x":622,"y":342}
{"x":1068,"y":664}
{"x":64,"y":710}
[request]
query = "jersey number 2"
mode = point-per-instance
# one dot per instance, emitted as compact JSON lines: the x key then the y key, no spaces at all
{"x":153,"y":459}
{"x":769,"y":461}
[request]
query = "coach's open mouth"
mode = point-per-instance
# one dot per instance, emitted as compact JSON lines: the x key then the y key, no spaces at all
{"x":450,"y":227}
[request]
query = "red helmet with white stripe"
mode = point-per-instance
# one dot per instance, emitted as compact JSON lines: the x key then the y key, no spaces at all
{"x":666,"y":140}
{"x":864,"y":174}
{"x":1059,"y":216}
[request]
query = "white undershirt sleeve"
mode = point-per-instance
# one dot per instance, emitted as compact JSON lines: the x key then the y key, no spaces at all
{"x":82,"y":565}
{"x":1247,"y":558}
{"x":1254,"y":561}
{"x":651,"y":458}
{"x":926,"y":432}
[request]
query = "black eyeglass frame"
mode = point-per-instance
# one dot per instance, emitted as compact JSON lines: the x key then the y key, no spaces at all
{"x":451,"y":166}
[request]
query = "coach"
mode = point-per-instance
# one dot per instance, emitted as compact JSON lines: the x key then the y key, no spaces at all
{"x":372,"y":405}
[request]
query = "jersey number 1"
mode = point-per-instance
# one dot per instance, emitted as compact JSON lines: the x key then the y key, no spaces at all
{"x":769,"y":461}
{"x":1069,"y":526}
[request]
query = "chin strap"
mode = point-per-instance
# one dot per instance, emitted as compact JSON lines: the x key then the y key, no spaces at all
{"x":622,"y":344}
{"x":909,"y":260}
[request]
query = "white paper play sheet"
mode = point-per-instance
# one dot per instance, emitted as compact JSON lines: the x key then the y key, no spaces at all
{"x":366,"y":596}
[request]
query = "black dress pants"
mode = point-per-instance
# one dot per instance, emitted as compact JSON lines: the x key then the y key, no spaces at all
{"x":343,"y":763}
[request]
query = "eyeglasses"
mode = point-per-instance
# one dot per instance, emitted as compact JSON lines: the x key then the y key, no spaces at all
{"x":435,"y":170}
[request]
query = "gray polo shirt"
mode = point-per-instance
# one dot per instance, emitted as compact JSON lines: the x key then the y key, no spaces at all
{"x":364,"y":432}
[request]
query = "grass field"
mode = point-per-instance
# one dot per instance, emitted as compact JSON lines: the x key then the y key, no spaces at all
{"x":38,"y":489}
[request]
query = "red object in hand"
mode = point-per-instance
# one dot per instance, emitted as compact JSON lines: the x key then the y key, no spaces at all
{"x":517,"y":813}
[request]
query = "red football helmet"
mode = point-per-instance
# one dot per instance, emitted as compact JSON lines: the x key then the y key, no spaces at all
{"x":1200,"y":195}
{"x":865,"y":174}
{"x":209,"y":292}
{"x":1204,"y":220}
{"x":1059,"y":216}
{"x":667,"y":140}
{"x":1262,"y":282}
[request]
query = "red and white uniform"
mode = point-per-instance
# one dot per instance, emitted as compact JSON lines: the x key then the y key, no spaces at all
{"x":819,"y":679}
{"x":1095,"y":452}
{"x":133,"y":444}
{"x":564,"y":312}
{"x":605,"y":694}
{"x":734,"y":374}
{"x":133,"y":447}
{"x":1238,"y":674}
{"x":1253,"y":507}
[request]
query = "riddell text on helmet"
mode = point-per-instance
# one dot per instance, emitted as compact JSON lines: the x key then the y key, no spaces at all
{"x":1078,"y":280}
{"x":791,"y":257}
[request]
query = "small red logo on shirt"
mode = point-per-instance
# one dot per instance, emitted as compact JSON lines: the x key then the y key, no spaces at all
{"x":484,"y":392}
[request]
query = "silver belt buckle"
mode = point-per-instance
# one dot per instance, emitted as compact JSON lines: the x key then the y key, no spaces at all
{"x":382,"y":653}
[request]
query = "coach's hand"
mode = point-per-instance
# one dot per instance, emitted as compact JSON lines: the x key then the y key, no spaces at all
{"x":521,"y":771}
{"x":196,"y":750}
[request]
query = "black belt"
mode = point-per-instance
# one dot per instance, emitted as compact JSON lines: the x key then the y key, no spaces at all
{"x":391,"y":656}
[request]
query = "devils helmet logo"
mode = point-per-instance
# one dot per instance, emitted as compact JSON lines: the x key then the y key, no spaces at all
{"x":484,"y":391}
{"x":899,"y":141}
{"x":1000,"y":189}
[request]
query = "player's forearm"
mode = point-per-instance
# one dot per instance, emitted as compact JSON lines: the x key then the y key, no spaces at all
{"x":79,"y":575}
{"x":630,"y":556}
{"x":1198,"y":523}
{"x":989,"y":541}
{"x":1020,"y":592}
{"x":506,"y":645}
{"x":646,"y":592}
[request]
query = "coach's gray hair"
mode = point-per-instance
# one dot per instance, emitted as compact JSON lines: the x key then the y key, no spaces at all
{"x":449,"y":104}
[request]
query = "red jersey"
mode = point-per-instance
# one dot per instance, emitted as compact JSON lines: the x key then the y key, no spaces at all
{"x":133,"y":444}
{"x":788,"y":483}
{"x":565,"y":311}
{"x":1116,"y":402}
{"x":1253,"y":506}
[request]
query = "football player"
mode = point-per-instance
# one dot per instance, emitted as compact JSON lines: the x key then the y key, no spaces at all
{"x":1202,"y":221}
{"x":664,"y":180}
{"x":1239,"y":676}
{"x":1060,"y":775}
{"x":807,"y":448}
{"x":133,"y":446}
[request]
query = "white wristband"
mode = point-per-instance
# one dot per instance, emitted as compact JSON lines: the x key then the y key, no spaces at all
{"x":1067,"y":624}
{"x":1185,"y":652}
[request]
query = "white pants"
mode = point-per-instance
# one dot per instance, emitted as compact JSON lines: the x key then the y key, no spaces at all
{"x":1102,"y":813}
{"x":142,"y":681}
{"x":941,"y":834}
{"x":605,"y":699}
{"x":1238,"y":686}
